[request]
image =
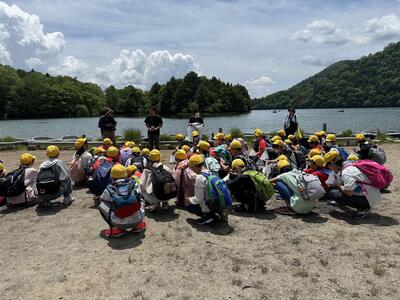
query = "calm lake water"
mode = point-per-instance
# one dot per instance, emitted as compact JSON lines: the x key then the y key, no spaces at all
{"x":357,"y":119}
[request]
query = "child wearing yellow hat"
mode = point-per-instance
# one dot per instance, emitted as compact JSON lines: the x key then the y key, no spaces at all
{"x":79,"y":166}
{"x":27,"y":175}
{"x":317,"y":167}
{"x":53,"y":180}
{"x":119,"y":217}
{"x":198,"y":203}
{"x":137,"y":159}
{"x":152,"y":193}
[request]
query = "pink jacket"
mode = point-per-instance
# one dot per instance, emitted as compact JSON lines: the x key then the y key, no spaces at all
{"x":30,"y":194}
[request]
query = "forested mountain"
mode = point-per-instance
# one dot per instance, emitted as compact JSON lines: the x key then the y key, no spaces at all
{"x":371,"y":81}
{"x":36,"y":95}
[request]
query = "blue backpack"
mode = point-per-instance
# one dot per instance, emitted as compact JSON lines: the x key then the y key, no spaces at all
{"x":126,"y":153}
{"x":101,"y":178}
{"x":218,"y":195}
{"x":125,"y":200}
{"x":342,"y":152}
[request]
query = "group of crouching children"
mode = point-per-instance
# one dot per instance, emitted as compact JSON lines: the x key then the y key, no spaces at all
{"x":208,"y":179}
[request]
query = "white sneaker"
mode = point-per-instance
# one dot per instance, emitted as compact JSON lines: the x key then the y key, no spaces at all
{"x":68,"y":200}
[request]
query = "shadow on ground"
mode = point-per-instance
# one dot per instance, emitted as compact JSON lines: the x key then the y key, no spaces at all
{"x":127,"y":241}
{"x":372,"y":218}
{"x":217,"y":228}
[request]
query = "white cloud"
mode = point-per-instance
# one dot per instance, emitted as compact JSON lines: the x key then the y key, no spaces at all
{"x":70,"y":66}
{"x":314,"y":60}
{"x":22,"y":39}
{"x":322,"y":32}
{"x":259,"y":87}
{"x":387,"y":27}
{"x":141,"y":70}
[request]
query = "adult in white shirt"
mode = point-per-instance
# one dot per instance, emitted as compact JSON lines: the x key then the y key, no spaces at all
{"x":352,"y":189}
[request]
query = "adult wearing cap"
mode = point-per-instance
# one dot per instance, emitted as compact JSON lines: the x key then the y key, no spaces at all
{"x":54,"y":169}
{"x":330,"y":143}
{"x":352,"y":188}
{"x":153,"y":123}
{"x":316,"y":167}
{"x":129,"y":217}
{"x":108,"y":125}
{"x":29,"y":195}
{"x":79,"y":166}
{"x":291,"y":124}
{"x":146,"y":185}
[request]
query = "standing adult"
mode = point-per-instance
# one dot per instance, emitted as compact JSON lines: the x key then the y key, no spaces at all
{"x":153,"y":123}
{"x":107,"y":125}
{"x":196,"y":118}
{"x":291,"y":123}
{"x":195,"y":124}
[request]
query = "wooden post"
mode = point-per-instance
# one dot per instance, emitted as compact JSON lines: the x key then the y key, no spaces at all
{"x":220,"y":130}
{"x":324,"y":127}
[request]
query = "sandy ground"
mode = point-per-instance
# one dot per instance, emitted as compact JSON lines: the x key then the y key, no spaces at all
{"x":59,"y":254}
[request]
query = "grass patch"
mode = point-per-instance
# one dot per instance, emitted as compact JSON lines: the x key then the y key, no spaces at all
{"x":7,"y":139}
{"x":347,"y":133}
{"x":132,"y":135}
{"x":236,"y":133}
{"x":381,"y":136}
{"x":166,"y":137}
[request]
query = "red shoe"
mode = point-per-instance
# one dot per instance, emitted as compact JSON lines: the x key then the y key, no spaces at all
{"x":140,"y":227}
{"x":115,"y":232}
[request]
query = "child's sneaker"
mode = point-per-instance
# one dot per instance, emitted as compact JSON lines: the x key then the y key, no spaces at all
{"x":114,"y":233}
{"x":68,"y":200}
{"x":140,"y":227}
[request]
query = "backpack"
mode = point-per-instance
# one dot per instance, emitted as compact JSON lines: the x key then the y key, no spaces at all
{"x":91,"y":163}
{"x":378,"y":155}
{"x":264,"y":188}
{"x":48,"y":180}
{"x":342,"y":152}
{"x":126,"y":153}
{"x":379,"y":176}
{"x":125,"y":200}
{"x":14,"y":183}
{"x":300,"y":159}
{"x":212,"y":165}
{"x":164,"y":186}
{"x":218,"y":195}
{"x":101,"y":178}
{"x":76,"y":170}
{"x":138,"y":161}
{"x":309,"y":186}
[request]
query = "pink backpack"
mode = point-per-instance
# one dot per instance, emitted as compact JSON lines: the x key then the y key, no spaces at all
{"x":379,"y":176}
{"x":76,"y":170}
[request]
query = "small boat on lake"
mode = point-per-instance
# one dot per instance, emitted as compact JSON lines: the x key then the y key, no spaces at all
{"x":341,"y":110}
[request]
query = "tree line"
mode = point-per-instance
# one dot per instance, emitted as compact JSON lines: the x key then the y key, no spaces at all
{"x":371,"y":81}
{"x":35,"y":95}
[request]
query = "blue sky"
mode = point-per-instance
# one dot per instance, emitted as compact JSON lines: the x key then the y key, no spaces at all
{"x":266,"y":45}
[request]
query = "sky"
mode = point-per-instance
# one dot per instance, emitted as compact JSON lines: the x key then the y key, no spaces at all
{"x":266,"y":45}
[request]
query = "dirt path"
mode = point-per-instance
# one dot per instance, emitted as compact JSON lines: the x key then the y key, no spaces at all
{"x":327,"y":255}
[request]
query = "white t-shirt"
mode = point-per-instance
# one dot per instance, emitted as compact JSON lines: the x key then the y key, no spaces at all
{"x":351,"y":178}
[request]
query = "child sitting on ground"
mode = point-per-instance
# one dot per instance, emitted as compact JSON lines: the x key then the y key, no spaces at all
{"x":79,"y":166}
{"x":53,"y":180}
{"x":28,"y":183}
{"x":121,"y":206}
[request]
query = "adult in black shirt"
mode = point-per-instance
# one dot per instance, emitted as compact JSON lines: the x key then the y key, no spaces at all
{"x":107,"y":124}
{"x":153,"y":123}
{"x":196,"y":118}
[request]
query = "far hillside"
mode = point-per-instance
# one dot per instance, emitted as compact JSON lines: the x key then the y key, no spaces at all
{"x":371,"y":81}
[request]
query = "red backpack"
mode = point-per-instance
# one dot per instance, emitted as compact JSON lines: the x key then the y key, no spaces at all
{"x":379,"y":176}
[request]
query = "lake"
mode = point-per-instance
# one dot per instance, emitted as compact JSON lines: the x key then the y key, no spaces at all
{"x":357,"y":119}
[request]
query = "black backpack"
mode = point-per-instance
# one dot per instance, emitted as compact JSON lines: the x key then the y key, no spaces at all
{"x":13,"y":184}
{"x":300,"y":159}
{"x":48,"y":180}
{"x":164,"y":186}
